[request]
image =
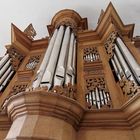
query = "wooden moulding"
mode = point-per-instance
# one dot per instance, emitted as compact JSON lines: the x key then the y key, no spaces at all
{"x":21,"y":41}
{"x":43,"y":103}
{"x":24,"y":76}
{"x":68,"y":17}
{"x":5,"y":122}
{"x":126,"y":117}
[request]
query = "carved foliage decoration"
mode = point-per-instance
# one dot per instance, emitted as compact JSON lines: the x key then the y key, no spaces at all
{"x":129,"y":87}
{"x":109,"y":45}
{"x":68,"y":22}
{"x":68,"y":90}
{"x":30,"y":32}
{"x":93,"y":82}
{"x":18,"y":88}
{"x":91,"y":54}
{"x":16,"y":58}
{"x":97,"y":94}
{"x":33,"y":62}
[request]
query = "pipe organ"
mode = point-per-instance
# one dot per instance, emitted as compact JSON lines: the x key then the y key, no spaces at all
{"x":58,"y":65}
{"x":122,"y":61}
{"x":6,"y":71}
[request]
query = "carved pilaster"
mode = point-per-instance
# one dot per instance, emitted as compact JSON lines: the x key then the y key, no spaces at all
{"x":109,"y":44}
{"x":16,"y":57}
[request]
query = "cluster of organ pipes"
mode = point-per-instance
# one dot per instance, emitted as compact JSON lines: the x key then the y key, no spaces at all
{"x":98,"y":97}
{"x":6,"y":71}
{"x":58,"y":65}
{"x":124,"y":63}
{"x":91,"y":54}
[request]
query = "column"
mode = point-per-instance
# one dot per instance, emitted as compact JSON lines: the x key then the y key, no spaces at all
{"x":45,"y":60}
{"x":61,"y":65}
{"x":49,"y":72}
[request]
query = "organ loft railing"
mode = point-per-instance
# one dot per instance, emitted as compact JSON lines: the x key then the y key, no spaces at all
{"x":97,"y":95}
{"x":125,"y":68}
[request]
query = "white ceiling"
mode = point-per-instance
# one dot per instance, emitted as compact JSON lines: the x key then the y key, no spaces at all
{"x":40,"y":13}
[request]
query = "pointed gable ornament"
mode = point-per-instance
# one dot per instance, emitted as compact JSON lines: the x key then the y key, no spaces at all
{"x":101,"y":16}
{"x":30,"y":32}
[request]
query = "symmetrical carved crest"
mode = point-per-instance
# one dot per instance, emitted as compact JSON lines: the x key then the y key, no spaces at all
{"x":93,"y":82}
{"x":109,"y":45}
{"x":18,"y":88}
{"x":97,"y":95}
{"x":91,"y":54}
{"x":30,"y":32}
{"x":16,"y":57}
{"x":68,"y":22}
{"x":129,"y":87}
{"x":32,"y":62}
{"x":68,"y":90}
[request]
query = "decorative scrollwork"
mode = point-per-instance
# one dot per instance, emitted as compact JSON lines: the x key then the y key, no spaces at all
{"x":32,"y":62}
{"x":16,"y":57}
{"x":68,"y":22}
{"x":91,"y":54}
{"x":129,"y":87}
{"x":94,"y":82}
{"x":97,"y":95}
{"x":109,"y":45}
{"x":30,"y":32}
{"x":68,"y":90}
{"x":18,"y":88}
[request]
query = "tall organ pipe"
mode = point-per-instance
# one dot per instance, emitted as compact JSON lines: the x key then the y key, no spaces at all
{"x":44,"y":63}
{"x":74,"y":62}
{"x":61,"y":65}
{"x":129,"y":57}
{"x":49,"y":72}
{"x":69,"y":70}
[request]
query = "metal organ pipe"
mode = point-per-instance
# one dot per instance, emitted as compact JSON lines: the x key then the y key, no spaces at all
{"x":61,"y":65}
{"x":118,"y":65}
{"x":124,"y":65}
{"x":115,"y":68}
{"x":5,"y":74}
{"x":69,"y":70}
{"x":6,"y":80}
{"x":74,"y":62}
{"x":49,"y":72}
{"x":3,"y":60}
{"x":45,"y":60}
{"x":129,"y":57}
{"x":4,"y":68}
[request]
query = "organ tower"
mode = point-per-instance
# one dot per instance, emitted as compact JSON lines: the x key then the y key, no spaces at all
{"x":75,"y":84}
